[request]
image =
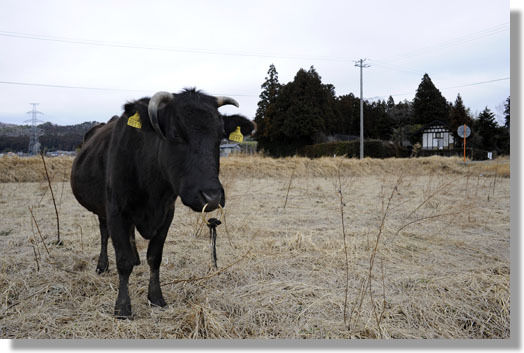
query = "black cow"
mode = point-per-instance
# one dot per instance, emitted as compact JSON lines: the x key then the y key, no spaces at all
{"x":130,"y":171}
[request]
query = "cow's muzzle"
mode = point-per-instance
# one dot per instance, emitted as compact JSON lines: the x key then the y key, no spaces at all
{"x":213,"y":198}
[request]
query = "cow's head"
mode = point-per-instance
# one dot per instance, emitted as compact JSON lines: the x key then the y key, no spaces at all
{"x":186,"y":130}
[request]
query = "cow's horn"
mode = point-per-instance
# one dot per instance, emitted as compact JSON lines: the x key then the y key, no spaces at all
{"x":152,"y":108}
{"x":221,"y":100}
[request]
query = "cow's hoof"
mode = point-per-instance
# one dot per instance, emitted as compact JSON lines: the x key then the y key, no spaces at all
{"x":101,"y":269}
{"x":123,"y":306}
{"x":123,"y":312}
{"x":102,"y":266}
{"x":156,"y":301}
{"x":123,"y":317}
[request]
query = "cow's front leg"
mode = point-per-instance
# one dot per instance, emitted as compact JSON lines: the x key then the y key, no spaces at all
{"x":119,"y":230}
{"x":154,"y":259}
{"x":103,"y":264}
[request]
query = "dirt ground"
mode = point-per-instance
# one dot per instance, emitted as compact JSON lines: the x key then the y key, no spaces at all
{"x":421,"y":254}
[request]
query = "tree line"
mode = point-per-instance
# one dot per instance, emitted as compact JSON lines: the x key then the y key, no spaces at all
{"x":15,"y":138}
{"x":306,"y":111}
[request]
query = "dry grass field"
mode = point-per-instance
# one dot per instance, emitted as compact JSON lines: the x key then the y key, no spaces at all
{"x":326,"y":248}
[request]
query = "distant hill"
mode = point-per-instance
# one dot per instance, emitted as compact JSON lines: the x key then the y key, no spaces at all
{"x":15,"y":138}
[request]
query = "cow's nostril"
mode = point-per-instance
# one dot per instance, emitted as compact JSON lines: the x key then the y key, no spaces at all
{"x":212,"y":198}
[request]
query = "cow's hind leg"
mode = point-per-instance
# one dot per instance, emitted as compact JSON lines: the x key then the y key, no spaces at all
{"x":103,"y":264}
{"x":133,"y":244}
{"x":154,"y":259}
{"x":120,"y":230}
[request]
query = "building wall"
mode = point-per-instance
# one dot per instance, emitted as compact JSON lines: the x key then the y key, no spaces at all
{"x":437,"y":140}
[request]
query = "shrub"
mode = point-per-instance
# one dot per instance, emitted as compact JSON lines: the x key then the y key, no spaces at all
{"x":350,"y":149}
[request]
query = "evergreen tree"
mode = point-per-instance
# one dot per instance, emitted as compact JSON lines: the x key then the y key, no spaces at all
{"x":390,"y":105}
{"x":348,"y":108}
{"x":458,"y":115}
{"x":502,"y":139}
{"x":266,"y":107}
{"x":506,"y":113}
{"x":401,"y":116}
{"x":429,"y":104}
{"x":377,"y":122}
{"x":304,"y":112}
{"x":486,"y":128}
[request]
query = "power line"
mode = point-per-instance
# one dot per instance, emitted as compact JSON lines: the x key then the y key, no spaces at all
{"x":163,"y":48}
{"x":225,"y":94}
{"x":479,"y":83}
{"x":451,"y":87}
{"x":387,"y":63}
{"x":50,"y":85}
{"x":70,"y":87}
{"x":452,"y":42}
{"x":460,"y":40}
{"x":380,"y":63}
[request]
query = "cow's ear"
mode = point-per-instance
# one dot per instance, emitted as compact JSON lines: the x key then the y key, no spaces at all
{"x":137,"y":115}
{"x":232,"y":121}
{"x":129,"y":109}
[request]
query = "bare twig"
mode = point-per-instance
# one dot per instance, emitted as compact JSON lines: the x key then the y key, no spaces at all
{"x":289,"y":185}
{"x":341,"y":199}
{"x":423,"y":219}
{"x":377,"y":242}
{"x":62,"y":189}
{"x":495,"y":179}
{"x":21,"y":300}
{"x":477,"y":186}
{"x":227,"y":231}
{"x":81,"y":237}
{"x":381,"y":316}
{"x":38,"y":229}
{"x":435,"y":192}
{"x":53,"y":197}
{"x":36,"y":257}
{"x":359,"y":300}
{"x":367,"y":282}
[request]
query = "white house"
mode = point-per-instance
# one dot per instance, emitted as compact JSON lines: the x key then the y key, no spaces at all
{"x":437,"y":136}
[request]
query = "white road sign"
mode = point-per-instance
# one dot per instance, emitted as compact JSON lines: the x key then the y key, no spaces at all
{"x":460,"y":131}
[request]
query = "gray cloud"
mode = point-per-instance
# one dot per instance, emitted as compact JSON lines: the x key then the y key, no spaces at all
{"x":133,"y":49}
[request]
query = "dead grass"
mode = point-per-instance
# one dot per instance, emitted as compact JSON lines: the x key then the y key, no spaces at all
{"x":29,"y":169}
{"x":440,"y":265}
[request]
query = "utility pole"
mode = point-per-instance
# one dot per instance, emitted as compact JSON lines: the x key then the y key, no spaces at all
{"x":34,"y":145}
{"x":360,"y":63}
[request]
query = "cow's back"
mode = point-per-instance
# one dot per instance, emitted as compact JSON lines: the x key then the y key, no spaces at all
{"x":89,"y":168}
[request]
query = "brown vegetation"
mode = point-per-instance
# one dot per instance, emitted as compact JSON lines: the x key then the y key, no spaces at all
{"x":16,"y":169}
{"x":424,"y":253}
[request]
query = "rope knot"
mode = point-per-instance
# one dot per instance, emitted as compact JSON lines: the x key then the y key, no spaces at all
{"x":212,"y":223}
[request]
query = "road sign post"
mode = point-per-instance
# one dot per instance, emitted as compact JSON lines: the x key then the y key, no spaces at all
{"x":464,"y":144}
{"x":464,"y":131}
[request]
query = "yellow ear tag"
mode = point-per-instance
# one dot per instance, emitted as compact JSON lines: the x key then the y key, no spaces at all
{"x":134,"y":121}
{"x":236,"y":135}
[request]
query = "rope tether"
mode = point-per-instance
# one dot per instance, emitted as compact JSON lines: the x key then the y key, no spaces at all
{"x":212,"y":223}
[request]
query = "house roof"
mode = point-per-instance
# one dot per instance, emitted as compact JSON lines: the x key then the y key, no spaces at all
{"x":434,"y":124}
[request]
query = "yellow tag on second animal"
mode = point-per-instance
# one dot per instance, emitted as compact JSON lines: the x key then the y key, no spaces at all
{"x":236,"y":135}
{"x":134,"y":121}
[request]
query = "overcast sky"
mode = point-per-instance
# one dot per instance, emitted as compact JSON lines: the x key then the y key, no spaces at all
{"x":104,"y":53}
